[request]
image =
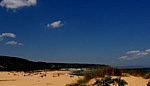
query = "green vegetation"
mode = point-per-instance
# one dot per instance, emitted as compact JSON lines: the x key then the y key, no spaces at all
{"x":8,"y":63}
{"x":103,"y":72}
{"x":100,"y":72}
{"x":106,"y":81}
{"x":138,"y":72}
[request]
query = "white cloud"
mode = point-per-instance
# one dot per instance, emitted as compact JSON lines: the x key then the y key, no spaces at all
{"x":11,"y":43}
{"x":135,"y":54}
{"x":3,"y":36}
{"x":14,"y":43}
{"x":7,"y":35}
{"x":14,"y":4}
{"x":55,"y":24}
{"x":124,"y":57}
{"x":147,"y":50}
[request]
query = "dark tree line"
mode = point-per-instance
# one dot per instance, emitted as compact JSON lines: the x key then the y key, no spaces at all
{"x":8,"y":63}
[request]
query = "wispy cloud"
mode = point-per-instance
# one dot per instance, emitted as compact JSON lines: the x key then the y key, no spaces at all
{"x":55,"y":24}
{"x":14,"y":43}
{"x":135,"y":54}
{"x":21,"y":44}
{"x":7,"y":35}
{"x":3,"y":37}
{"x":15,"y":4}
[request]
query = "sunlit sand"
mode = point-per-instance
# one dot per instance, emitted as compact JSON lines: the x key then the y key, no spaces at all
{"x":54,"y":78}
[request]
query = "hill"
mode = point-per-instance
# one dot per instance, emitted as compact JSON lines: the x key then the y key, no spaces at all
{"x":8,"y":63}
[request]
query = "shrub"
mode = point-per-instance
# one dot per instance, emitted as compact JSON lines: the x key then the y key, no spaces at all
{"x":100,"y":72}
{"x":146,"y":76}
{"x":109,"y":71}
{"x":138,"y":72}
{"x":108,"y":80}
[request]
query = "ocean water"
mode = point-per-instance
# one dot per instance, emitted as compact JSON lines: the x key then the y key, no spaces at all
{"x":77,"y":73}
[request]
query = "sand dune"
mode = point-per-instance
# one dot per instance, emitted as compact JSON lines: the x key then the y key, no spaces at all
{"x":131,"y":80}
{"x":136,"y":81}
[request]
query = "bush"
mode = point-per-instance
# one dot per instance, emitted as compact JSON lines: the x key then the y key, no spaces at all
{"x":100,"y":72}
{"x":146,"y":76}
{"x":139,"y":72}
{"x":109,"y":71}
{"x":108,"y":80}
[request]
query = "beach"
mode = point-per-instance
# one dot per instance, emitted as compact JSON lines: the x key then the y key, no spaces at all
{"x":52,"y":78}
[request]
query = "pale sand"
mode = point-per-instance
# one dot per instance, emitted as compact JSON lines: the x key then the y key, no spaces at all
{"x":7,"y":79}
{"x":136,"y":81}
{"x":51,"y":79}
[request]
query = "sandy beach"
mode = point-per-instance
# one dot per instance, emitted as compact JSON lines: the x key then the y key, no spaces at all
{"x":52,"y":78}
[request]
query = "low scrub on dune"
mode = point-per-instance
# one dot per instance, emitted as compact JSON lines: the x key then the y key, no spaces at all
{"x":138,"y":73}
{"x":99,"y":72}
{"x":103,"y":72}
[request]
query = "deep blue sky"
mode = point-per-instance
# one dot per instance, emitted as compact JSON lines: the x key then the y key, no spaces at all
{"x":94,"y":31}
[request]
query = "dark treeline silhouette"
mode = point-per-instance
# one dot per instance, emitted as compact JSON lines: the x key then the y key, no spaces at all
{"x":8,"y":63}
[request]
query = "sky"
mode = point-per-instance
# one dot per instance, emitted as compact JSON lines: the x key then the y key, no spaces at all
{"x":114,"y":32}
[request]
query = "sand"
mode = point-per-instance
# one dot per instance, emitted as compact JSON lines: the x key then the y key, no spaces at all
{"x":136,"y":81}
{"x":52,"y":78}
